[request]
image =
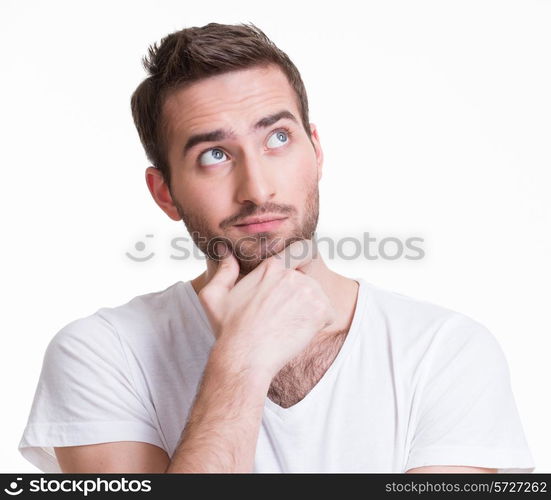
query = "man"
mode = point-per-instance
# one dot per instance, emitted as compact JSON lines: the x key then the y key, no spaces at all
{"x":268,"y":361}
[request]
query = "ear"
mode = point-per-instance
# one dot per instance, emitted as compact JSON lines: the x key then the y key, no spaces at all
{"x":160,"y":192}
{"x":317,"y":148}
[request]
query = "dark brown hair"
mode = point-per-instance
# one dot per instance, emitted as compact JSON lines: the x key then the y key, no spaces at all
{"x":191,"y":54}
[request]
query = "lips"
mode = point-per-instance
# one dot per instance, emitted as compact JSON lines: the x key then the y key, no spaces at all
{"x":259,"y":220}
{"x":268,"y":226}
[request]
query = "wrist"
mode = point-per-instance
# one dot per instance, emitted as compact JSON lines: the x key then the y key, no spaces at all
{"x":228,"y":360}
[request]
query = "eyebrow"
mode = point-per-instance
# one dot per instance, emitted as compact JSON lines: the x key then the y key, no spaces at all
{"x":220,"y":134}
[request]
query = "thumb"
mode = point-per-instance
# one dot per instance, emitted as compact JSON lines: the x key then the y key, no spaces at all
{"x":213,"y":295}
{"x":226,"y":273}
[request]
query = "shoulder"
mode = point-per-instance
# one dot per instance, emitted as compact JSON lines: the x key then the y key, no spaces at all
{"x":415,"y":324}
{"x":154,"y":308}
{"x":107,"y":326}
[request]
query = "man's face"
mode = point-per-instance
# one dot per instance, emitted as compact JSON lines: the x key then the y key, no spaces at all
{"x":252,"y":168}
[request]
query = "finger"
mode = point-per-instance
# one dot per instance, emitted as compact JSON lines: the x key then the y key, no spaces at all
{"x":226,"y":273}
{"x":297,"y":255}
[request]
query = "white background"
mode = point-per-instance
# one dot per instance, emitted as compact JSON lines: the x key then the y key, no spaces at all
{"x":435,"y":121}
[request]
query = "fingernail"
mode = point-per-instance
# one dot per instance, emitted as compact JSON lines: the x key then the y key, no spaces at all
{"x":220,"y":249}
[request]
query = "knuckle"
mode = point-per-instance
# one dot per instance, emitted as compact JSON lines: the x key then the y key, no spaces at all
{"x":204,"y":295}
{"x":288,"y":275}
{"x":270,"y":266}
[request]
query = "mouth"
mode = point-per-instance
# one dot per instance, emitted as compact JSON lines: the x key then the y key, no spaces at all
{"x":261,"y":225}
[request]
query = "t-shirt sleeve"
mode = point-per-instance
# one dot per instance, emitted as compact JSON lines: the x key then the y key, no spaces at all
{"x":466,"y":412}
{"x":85,"y":395}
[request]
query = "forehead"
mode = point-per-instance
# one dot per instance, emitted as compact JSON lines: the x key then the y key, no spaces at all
{"x":237,"y":98}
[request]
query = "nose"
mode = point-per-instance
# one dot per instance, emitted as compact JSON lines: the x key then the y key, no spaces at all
{"x":255,"y":182}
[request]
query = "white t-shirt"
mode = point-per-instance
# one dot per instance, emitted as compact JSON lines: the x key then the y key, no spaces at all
{"x":414,"y":384}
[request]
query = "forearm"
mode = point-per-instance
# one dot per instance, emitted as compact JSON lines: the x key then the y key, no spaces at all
{"x":222,"y":429}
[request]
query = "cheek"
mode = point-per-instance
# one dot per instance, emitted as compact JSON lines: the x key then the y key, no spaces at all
{"x":300,"y":166}
{"x":307,"y":172}
{"x":207,"y":203}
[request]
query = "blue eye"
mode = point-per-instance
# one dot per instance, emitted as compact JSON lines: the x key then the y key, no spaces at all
{"x":212,"y":157}
{"x":281,"y":136}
